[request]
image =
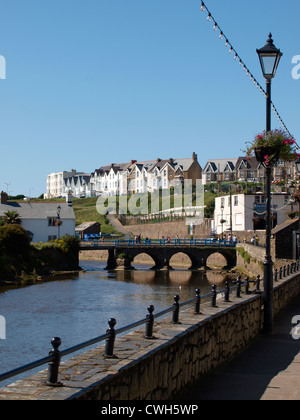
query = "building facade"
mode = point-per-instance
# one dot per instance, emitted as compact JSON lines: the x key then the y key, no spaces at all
{"x":41,"y":219}
{"x":243,"y":169}
{"x":246,"y":212}
{"x":125,"y":178}
{"x":59,"y":184}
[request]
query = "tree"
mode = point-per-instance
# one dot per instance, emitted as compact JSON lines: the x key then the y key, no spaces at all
{"x":11,"y":218}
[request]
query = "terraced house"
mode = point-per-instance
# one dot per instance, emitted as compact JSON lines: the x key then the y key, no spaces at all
{"x":242,"y":169}
{"x":129,"y":178}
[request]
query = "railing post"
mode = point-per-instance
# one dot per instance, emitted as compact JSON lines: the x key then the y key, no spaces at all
{"x":53,"y":366}
{"x":239,"y":287}
{"x":110,"y":341}
{"x":175,"y":318}
{"x":214,"y":296}
{"x":258,"y":283}
{"x":247,"y":287}
{"x":197,"y":301}
{"x":149,"y":323}
{"x":227,"y":292}
{"x":284,"y":271}
{"x":280,"y":273}
{"x":276,"y":274}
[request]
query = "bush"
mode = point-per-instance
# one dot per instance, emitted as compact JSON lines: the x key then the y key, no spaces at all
{"x":14,"y":240}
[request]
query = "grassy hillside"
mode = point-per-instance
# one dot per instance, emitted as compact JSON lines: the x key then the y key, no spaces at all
{"x":85,"y":211}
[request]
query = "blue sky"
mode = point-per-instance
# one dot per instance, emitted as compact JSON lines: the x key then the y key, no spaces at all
{"x":92,"y":82}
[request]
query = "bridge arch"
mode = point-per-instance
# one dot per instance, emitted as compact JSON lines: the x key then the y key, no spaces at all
{"x":181,"y":259}
{"x":144,"y":258}
{"x":216,"y":260}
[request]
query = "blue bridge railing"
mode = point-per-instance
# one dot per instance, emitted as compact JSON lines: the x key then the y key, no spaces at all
{"x":158,"y":242}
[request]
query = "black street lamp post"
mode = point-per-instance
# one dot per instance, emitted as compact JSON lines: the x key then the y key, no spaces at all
{"x":58,"y":221}
{"x":269,"y":57}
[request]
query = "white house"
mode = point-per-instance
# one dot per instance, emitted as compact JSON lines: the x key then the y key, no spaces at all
{"x":60,"y":183}
{"x":40,"y":218}
{"x":128,"y":178}
{"x":242,"y":212}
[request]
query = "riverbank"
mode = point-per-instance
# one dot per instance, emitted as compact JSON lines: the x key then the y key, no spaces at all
{"x":28,"y":279}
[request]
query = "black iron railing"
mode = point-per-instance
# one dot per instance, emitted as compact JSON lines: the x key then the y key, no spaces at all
{"x":55,"y":355}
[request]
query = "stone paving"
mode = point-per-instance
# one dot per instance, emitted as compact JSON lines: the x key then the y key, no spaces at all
{"x":269,"y":369}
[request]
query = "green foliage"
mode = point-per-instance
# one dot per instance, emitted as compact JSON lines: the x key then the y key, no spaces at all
{"x":123,"y":256}
{"x":11,"y":218}
{"x":244,"y":254}
{"x":14,"y":240}
{"x":14,"y":251}
{"x":66,"y":244}
{"x":18,"y":256}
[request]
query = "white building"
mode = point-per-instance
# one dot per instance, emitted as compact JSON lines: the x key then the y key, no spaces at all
{"x":241,"y":212}
{"x":60,"y":183}
{"x":125,"y":178}
{"x":39,"y":219}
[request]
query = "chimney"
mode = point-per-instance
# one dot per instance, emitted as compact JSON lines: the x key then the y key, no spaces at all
{"x":158,"y":160}
{"x":171,"y":160}
{"x":4,"y":197}
{"x":132,"y":162}
{"x":69,"y":199}
{"x":195,"y":157}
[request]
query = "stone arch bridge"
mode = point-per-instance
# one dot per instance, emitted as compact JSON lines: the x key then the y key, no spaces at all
{"x":124,"y":254}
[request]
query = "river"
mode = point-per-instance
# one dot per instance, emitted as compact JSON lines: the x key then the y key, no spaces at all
{"x":77,"y":309}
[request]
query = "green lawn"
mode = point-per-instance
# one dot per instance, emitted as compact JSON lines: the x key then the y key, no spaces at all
{"x":85,"y":211}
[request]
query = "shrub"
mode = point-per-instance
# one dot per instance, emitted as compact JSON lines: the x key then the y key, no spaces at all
{"x":14,"y":240}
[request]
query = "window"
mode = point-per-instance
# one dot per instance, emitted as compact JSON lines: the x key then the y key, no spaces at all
{"x":52,"y":237}
{"x":236,"y":200}
{"x":51,"y":221}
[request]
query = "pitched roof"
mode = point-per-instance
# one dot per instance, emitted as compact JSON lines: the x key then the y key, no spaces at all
{"x":218,"y":165}
{"x":284,"y":225}
{"x":85,"y":225}
{"x":31,"y":210}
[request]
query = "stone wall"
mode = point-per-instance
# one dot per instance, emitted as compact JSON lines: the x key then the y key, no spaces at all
{"x":161,"y":368}
{"x":176,"y":229}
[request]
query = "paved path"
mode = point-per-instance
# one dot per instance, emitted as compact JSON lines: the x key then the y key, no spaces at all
{"x":269,"y":369}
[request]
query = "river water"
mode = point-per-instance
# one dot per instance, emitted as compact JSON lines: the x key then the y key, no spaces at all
{"x":77,"y":309}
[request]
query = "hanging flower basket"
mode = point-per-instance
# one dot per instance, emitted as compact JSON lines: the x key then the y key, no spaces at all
{"x":58,"y":222}
{"x":266,"y":155}
{"x":269,"y":147}
{"x":296,"y":195}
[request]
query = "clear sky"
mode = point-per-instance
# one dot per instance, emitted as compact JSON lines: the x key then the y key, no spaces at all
{"x":94,"y":82}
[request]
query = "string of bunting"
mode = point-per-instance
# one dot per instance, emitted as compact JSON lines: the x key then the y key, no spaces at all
{"x":237,"y":58}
